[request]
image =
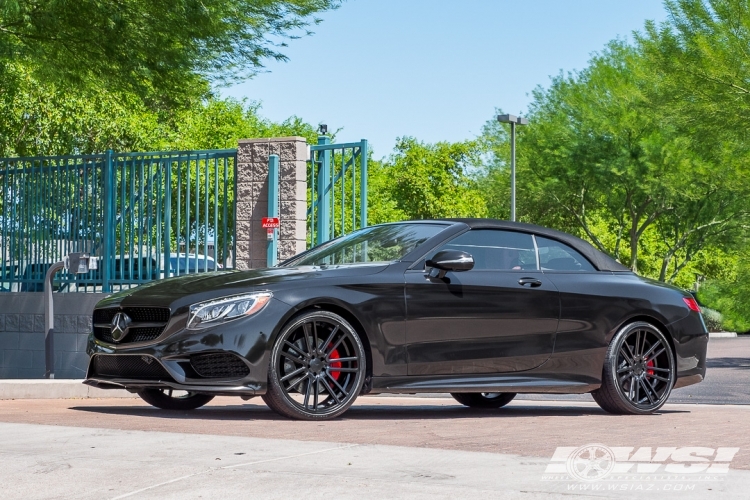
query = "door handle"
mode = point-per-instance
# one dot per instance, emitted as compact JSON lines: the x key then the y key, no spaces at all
{"x":533,"y":282}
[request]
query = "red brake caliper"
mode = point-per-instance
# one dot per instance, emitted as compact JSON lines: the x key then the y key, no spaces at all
{"x":650,"y":364}
{"x":335,"y":364}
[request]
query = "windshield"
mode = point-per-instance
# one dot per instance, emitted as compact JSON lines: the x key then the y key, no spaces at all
{"x":384,"y":243}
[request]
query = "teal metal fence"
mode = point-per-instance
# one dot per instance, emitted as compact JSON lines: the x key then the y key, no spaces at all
{"x":145,"y":215}
{"x":337,"y":183}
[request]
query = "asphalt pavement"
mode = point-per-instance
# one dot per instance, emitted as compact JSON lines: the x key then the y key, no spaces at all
{"x":384,"y":447}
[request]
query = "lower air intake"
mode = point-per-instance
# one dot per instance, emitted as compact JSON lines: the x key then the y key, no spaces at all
{"x":219,"y":365}
{"x":131,"y":367}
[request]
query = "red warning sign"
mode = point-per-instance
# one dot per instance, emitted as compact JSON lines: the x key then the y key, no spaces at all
{"x":270,"y":222}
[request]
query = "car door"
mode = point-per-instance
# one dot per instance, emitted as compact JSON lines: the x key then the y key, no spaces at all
{"x":501,"y":316}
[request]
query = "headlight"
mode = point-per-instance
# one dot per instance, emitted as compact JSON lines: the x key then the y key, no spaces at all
{"x":217,"y":311}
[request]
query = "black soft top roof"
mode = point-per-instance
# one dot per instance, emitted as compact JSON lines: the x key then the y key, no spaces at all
{"x":600,"y":260}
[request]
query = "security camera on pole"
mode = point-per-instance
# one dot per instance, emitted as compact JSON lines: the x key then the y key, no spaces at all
{"x":513,"y":120}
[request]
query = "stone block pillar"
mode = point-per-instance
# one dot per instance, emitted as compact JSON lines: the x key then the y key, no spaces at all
{"x":252,"y":198}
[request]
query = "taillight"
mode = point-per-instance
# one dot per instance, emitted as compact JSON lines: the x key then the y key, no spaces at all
{"x":692,"y":304}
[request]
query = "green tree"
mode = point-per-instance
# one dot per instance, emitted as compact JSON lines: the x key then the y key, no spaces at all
{"x":166,"y":50}
{"x":426,"y":181}
{"x":602,"y":157}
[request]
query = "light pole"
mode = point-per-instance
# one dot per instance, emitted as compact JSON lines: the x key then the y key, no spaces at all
{"x":513,"y":120}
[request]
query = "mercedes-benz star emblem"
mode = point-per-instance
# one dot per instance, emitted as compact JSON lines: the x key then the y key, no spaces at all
{"x":120,"y":326}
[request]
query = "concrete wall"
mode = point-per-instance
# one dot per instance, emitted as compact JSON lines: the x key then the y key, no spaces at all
{"x":22,"y":334}
{"x":252,"y":198}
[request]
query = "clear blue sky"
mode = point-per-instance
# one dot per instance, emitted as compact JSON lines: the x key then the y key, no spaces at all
{"x":434,"y":69}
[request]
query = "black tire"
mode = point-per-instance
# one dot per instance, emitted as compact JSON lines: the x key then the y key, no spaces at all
{"x":639,"y":371}
{"x":484,"y":399}
{"x":317,"y":355}
{"x":164,"y":399}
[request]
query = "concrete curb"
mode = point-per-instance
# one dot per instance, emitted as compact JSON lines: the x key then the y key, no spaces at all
{"x":722,"y":335}
{"x":56,"y":389}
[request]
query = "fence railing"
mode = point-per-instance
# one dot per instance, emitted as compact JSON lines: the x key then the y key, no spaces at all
{"x":146,"y":215}
{"x":337,"y":183}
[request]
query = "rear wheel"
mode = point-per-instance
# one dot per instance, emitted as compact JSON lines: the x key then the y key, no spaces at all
{"x":172,"y":399}
{"x":639,"y":371}
{"x":317,"y":368}
{"x":484,"y":399}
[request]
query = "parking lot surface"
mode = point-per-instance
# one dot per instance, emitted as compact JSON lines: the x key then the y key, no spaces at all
{"x":384,"y":447}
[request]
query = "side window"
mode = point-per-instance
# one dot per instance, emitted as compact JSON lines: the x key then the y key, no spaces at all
{"x":556,"y":256}
{"x":496,"y":250}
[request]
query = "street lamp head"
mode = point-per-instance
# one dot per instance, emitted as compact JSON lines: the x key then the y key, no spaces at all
{"x":518,"y":120}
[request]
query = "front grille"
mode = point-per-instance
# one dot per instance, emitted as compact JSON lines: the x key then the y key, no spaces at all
{"x":133,"y":367}
{"x":219,"y":365}
{"x":137,"y":314}
{"x":136,"y":333}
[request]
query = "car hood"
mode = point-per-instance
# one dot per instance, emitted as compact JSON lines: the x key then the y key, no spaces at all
{"x":189,"y":289}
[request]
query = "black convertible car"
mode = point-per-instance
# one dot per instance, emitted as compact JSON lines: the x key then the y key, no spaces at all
{"x":481,"y":309}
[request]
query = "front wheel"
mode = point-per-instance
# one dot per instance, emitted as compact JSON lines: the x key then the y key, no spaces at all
{"x":639,"y":371}
{"x":484,"y":399}
{"x":317,"y":367}
{"x":170,"y":399}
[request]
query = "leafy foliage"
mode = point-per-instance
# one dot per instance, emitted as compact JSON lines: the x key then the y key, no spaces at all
{"x":160,"y":49}
{"x":426,"y":181}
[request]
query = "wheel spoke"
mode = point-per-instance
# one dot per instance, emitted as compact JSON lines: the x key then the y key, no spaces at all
{"x":295,"y":384}
{"x":628,"y":359}
{"x":329,"y":339}
{"x":333,"y":348}
{"x":657,"y":377}
{"x":632,"y":354}
{"x":306,"y":332}
{"x":316,"y":389}
{"x":656,"y":355}
{"x":645,"y":389}
{"x":637,"y":343}
{"x":343,"y":391}
{"x":651,"y":349}
{"x":345,"y":370}
{"x":307,"y":393}
{"x":344,"y":360}
{"x":297,"y":349}
{"x":624,"y":369}
{"x":315,"y":337}
{"x":624,"y":378}
{"x":290,"y":375}
{"x":292,"y":357}
{"x":656,"y":368}
{"x":330,"y":390}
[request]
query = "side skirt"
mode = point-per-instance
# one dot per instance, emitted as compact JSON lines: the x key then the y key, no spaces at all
{"x":484,"y":383}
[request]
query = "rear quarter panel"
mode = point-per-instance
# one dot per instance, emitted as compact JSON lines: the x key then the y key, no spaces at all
{"x":594,"y":305}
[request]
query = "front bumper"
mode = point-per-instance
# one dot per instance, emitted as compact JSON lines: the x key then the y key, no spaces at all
{"x":248,"y":340}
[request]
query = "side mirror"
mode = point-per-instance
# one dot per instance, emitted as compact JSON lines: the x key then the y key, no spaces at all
{"x":449,"y":260}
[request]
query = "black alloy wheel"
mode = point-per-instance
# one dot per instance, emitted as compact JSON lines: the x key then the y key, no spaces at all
{"x":484,"y":399}
{"x":639,"y":371}
{"x":317,"y":367}
{"x":173,"y":399}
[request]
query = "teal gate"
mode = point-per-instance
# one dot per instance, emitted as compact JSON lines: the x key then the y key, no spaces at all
{"x":146,"y":215}
{"x":337,"y":182}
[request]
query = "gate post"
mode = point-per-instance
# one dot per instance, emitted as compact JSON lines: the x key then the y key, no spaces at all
{"x":252,"y":198}
{"x":108,"y":176}
{"x":323,"y":199}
